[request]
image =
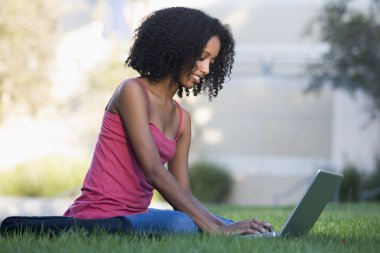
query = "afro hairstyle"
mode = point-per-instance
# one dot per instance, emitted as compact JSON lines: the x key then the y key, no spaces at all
{"x":170,"y":41}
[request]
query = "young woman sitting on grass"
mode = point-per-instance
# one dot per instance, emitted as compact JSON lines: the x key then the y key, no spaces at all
{"x":175,"y":50}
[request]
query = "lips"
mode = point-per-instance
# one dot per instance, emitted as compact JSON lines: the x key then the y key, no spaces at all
{"x":196,"y":78}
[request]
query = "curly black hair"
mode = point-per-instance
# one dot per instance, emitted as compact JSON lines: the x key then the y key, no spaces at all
{"x":171,"y":40}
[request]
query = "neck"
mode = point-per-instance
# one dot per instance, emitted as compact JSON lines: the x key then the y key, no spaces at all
{"x":164,"y":89}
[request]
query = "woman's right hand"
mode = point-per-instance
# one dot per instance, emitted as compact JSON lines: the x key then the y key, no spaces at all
{"x":246,"y":227}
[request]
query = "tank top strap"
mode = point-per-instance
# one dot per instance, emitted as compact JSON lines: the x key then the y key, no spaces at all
{"x":143,"y":85}
{"x":180,"y":119}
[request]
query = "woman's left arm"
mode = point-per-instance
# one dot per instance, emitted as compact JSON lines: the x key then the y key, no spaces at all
{"x":179,"y":165}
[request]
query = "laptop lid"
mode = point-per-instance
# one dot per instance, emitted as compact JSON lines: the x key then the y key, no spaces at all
{"x":311,"y":205}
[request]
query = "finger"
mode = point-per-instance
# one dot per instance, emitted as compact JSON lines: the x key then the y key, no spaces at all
{"x":248,"y":227}
{"x":239,"y":228}
{"x":257,"y":226}
{"x":267,"y":225}
{"x":260,"y":226}
{"x":250,"y":231}
{"x":241,"y":231}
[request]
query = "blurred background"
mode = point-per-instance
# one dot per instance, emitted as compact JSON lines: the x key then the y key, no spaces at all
{"x":304,"y":95}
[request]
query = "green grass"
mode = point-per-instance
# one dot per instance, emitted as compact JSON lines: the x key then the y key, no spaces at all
{"x":341,"y":228}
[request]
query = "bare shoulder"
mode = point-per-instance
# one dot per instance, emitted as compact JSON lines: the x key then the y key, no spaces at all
{"x":186,"y":120}
{"x":130,"y":85}
{"x":186,"y":116}
{"x":130,"y":92}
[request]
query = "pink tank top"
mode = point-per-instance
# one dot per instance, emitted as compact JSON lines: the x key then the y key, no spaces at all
{"x":115,"y":184}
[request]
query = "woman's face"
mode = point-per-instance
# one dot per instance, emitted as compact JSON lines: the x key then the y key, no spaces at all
{"x":202,"y":65}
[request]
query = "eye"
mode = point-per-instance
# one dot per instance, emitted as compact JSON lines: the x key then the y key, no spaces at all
{"x":203,"y":56}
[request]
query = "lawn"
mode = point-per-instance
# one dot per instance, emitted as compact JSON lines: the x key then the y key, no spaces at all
{"x":341,"y":228}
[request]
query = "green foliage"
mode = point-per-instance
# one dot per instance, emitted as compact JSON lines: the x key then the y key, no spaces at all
{"x":350,"y":186}
{"x":28,"y":32}
{"x":209,"y":182}
{"x":157,"y":196}
{"x":352,"y":62}
{"x":355,"y":183}
{"x":43,"y":177}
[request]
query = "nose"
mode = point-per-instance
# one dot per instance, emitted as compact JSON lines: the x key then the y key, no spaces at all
{"x":204,"y":67}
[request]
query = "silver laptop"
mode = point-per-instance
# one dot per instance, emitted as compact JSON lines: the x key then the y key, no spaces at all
{"x":311,"y":205}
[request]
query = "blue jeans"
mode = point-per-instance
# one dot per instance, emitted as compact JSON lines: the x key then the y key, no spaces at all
{"x":157,"y":221}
